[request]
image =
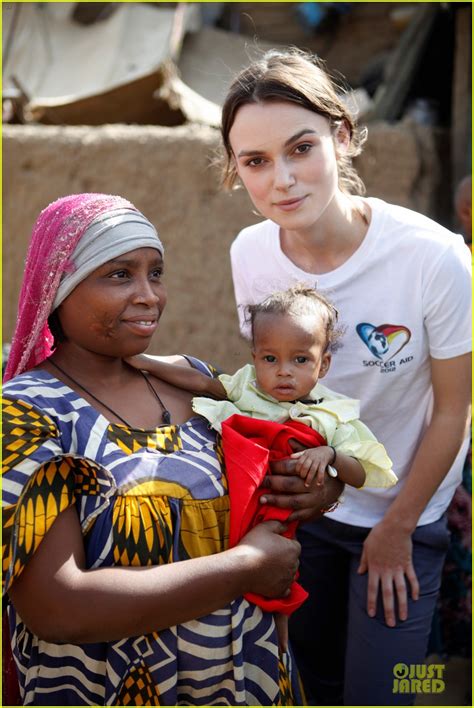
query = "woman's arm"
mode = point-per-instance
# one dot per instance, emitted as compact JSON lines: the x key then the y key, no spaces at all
{"x":60,"y":601}
{"x":180,"y":376}
{"x":387,"y":554}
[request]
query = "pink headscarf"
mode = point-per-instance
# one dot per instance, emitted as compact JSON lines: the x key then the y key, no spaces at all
{"x":56,"y":233}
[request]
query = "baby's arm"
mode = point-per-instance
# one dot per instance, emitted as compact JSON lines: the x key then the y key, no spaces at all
{"x":314,"y":461}
{"x":180,"y":376}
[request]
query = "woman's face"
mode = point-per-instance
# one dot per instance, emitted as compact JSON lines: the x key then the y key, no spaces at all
{"x":116,"y":309}
{"x":285,"y":156}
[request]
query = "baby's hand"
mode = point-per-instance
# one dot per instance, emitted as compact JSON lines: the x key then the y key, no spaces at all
{"x":312,"y":463}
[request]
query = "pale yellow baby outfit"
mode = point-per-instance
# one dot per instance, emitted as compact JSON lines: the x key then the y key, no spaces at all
{"x":331,"y":414}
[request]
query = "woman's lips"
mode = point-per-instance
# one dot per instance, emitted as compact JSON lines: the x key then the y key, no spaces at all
{"x":143,"y":327}
{"x":290,"y":204}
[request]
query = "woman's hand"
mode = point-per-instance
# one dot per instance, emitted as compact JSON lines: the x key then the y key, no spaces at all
{"x":387,"y":556}
{"x":287,"y":490}
{"x":387,"y":553}
{"x":272,"y":559}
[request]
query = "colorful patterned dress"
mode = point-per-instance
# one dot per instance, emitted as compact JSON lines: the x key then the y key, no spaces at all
{"x":143,"y":498}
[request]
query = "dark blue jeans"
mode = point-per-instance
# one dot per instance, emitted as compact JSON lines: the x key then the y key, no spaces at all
{"x":344,"y":656}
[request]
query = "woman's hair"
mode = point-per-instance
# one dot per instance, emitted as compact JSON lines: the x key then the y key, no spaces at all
{"x":298,"y":301}
{"x":296,"y":77}
{"x":56,"y":330}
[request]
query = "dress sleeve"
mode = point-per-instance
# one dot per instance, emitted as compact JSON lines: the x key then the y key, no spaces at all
{"x":40,"y":480}
{"x":202,"y":366}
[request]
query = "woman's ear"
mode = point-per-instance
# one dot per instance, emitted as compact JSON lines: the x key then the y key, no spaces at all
{"x":234,"y":171}
{"x":55,"y":327}
{"x":233,"y":164}
{"x":342,"y":138}
{"x":325,"y":364}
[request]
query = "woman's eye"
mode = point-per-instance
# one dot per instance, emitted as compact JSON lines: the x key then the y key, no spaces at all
{"x":118,"y":274}
{"x":301,"y":359}
{"x":303,"y":148}
{"x":157,"y":273}
{"x":255,"y":162}
{"x":271,"y":359}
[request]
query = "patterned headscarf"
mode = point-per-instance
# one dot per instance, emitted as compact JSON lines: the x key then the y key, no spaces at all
{"x":53,"y":263}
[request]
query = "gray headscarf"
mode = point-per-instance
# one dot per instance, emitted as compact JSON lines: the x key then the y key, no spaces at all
{"x":110,"y":235}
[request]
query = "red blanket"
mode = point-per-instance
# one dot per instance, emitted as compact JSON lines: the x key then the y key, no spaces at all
{"x":249,"y":446}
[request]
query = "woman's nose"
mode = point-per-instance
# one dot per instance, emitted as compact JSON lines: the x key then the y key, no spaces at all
{"x":283,"y":177}
{"x":146,"y":292}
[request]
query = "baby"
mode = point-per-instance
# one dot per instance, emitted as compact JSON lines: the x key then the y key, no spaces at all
{"x":293,"y":333}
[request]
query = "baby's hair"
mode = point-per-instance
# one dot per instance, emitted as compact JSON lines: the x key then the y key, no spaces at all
{"x":298,"y":301}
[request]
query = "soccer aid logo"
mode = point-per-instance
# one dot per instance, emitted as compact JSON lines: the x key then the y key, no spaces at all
{"x":377,"y":343}
{"x":383,"y":341}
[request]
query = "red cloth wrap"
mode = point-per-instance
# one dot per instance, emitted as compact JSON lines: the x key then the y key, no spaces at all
{"x":249,"y":446}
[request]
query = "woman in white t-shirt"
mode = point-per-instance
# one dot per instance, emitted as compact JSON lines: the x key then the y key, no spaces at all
{"x":401,"y":283}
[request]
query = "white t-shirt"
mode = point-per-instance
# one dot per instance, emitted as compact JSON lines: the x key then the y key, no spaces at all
{"x":404,"y":296}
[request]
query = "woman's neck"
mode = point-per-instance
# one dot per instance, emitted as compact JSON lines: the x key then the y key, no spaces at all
{"x":89,"y":366}
{"x":332,"y":240}
{"x":117,"y":390}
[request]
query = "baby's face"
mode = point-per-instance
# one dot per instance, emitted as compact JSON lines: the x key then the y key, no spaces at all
{"x":289,"y":354}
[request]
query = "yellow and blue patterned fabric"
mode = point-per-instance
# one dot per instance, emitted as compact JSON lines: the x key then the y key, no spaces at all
{"x":143,"y":497}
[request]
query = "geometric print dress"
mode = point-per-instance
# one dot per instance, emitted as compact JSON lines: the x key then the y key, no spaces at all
{"x":143,"y":497}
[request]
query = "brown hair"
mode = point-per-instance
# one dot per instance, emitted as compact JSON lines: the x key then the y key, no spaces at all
{"x":297,"y":77}
{"x":298,"y":301}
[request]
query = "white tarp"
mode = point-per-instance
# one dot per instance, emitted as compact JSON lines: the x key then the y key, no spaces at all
{"x":119,"y":69}
{"x":53,"y":57}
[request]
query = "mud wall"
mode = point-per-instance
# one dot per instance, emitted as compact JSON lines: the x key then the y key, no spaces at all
{"x":167,"y":174}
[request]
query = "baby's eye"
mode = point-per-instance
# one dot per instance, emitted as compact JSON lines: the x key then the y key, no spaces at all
{"x":301,"y":359}
{"x":270,"y":358}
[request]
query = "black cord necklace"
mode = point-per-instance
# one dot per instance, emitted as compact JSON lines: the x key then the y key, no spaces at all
{"x":165,"y":416}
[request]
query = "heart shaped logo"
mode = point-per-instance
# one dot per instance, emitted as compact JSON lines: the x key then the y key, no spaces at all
{"x":385,"y":340}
